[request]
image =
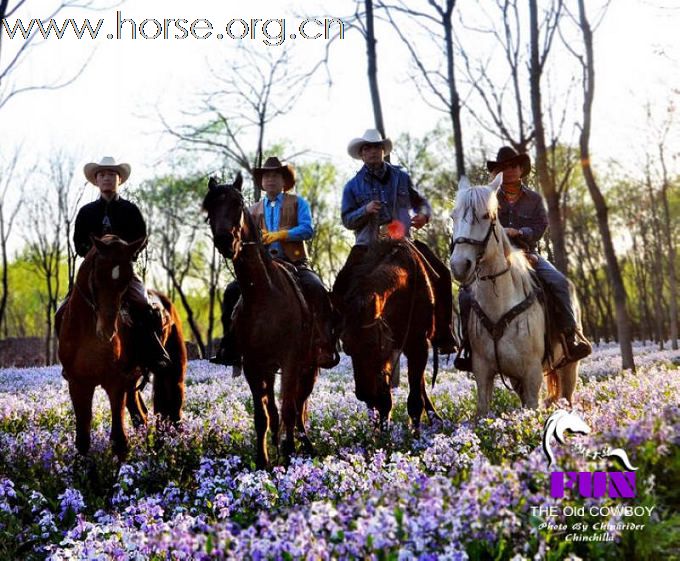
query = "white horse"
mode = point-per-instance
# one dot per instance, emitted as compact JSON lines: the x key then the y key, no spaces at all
{"x":506,"y":326}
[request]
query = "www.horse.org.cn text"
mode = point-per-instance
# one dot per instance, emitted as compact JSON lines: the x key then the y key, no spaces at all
{"x":272,"y":32}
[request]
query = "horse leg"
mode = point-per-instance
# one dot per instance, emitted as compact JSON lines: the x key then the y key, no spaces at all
{"x":304,"y":391}
{"x":117,"y":399}
{"x":258,"y":387}
{"x":417,"y":360}
{"x":289,"y":390}
{"x":484,"y":376}
{"x":273,"y":412}
{"x":81,"y":397}
{"x":568,"y":376}
{"x":135,"y":405}
{"x":531,"y":386}
{"x":168,"y":385}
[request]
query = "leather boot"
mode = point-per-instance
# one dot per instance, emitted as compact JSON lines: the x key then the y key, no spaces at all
{"x":577,"y":346}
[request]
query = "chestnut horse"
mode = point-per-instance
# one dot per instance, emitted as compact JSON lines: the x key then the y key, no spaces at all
{"x":95,"y":345}
{"x":272,"y":323}
{"x":389,"y":309}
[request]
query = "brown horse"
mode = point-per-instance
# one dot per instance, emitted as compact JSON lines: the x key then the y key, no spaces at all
{"x":272,"y":323}
{"x":95,"y":345}
{"x":388,"y":309}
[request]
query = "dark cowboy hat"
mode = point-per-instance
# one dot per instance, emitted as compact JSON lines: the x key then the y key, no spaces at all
{"x":274,"y":164}
{"x":507,"y":156}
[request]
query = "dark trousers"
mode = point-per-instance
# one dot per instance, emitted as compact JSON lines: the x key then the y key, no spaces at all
{"x":556,"y":283}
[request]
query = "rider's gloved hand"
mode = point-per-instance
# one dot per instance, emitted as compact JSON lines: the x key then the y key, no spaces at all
{"x":277,"y":236}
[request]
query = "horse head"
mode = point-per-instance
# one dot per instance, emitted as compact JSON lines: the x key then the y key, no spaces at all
{"x":227,"y":216}
{"x":110,"y":275}
{"x":474,"y":222}
{"x":556,"y":425}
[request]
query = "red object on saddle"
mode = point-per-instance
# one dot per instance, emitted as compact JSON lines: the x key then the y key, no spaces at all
{"x":396,"y":230}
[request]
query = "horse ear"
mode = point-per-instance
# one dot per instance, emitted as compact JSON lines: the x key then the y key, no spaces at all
{"x":99,"y":245}
{"x":463,"y":183}
{"x":212,"y":184}
{"x":238,"y":182}
{"x":137,"y":246}
{"x":497,"y":181}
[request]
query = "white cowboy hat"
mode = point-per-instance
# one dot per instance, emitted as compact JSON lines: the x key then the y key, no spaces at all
{"x":371,"y":136}
{"x":91,"y":169}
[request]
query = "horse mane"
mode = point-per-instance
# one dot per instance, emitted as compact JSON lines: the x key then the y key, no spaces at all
{"x":376,"y":274}
{"x":471,"y":205}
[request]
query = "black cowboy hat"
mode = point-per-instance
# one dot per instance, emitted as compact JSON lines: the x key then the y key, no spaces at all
{"x":274,"y":164}
{"x":507,"y":156}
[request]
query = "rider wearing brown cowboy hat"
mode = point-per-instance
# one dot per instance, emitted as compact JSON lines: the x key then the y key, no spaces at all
{"x":285,"y":221}
{"x":381,"y":194}
{"x":111,"y":214}
{"x":522,"y":214}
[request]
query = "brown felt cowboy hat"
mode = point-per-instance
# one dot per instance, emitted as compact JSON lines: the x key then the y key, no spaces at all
{"x":506,"y":157}
{"x":274,"y":164}
{"x":107,"y":163}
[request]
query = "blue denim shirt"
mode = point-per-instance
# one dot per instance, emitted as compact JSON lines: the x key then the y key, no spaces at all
{"x":272,"y":217}
{"x":396,"y":193}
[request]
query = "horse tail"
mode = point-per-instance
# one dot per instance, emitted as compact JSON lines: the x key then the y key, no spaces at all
{"x":553,"y":383}
{"x":435,"y":364}
{"x":621,"y":455}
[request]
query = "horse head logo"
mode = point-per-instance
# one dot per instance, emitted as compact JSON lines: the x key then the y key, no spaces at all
{"x":561,"y":421}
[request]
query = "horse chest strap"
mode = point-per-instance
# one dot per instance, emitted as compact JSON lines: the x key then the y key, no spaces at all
{"x":497,"y":329}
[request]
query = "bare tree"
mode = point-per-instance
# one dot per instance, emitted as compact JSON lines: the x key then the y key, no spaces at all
{"x":8,"y":214}
{"x":69,"y":196}
{"x":587,"y":62}
{"x":8,"y":64}
{"x":668,"y":235}
{"x":44,"y":247}
{"x":539,"y":55}
{"x":435,"y":18}
{"x":254,"y":90}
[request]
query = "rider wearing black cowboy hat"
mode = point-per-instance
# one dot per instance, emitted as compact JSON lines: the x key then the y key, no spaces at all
{"x":522,"y":214}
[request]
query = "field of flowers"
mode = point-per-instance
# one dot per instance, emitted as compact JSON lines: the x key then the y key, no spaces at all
{"x":463,"y":489}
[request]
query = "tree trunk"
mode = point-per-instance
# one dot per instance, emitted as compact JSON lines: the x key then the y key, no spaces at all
{"x":545,"y":180}
{"x":454,"y":99}
{"x":668,"y":234}
{"x":613,"y":270}
{"x":372,"y":58}
{"x":190,"y":315}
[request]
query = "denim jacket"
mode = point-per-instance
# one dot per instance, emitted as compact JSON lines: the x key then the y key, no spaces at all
{"x":396,"y":193}
{"x":528,"y":215}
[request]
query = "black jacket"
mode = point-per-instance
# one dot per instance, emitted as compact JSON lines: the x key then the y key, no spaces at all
{"x":124,"y":220}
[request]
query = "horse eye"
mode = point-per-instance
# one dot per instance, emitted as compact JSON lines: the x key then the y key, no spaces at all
{"x":486,"y":216}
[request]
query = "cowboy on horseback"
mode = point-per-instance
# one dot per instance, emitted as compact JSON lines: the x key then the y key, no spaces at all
{"x":381,"y":197}
{"x":285,"y":221}
{"x":522,"y":214}
{"x":111,"y":214}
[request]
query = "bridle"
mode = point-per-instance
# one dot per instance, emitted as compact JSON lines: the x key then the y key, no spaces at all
{"x":482,"y":244}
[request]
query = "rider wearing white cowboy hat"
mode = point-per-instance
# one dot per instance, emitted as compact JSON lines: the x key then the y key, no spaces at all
{"x":379,"y":194}
{"x":111,"y":214}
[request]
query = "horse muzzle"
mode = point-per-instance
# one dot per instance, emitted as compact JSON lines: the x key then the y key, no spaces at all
{"x":462,"y":269}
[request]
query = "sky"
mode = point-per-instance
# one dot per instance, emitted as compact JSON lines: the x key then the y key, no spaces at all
{"x":113,"y":108}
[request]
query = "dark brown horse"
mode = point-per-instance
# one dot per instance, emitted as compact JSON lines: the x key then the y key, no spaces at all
{"x":388,"y":309}
{"x":273,"y":324}
{"x":95,"y":345}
